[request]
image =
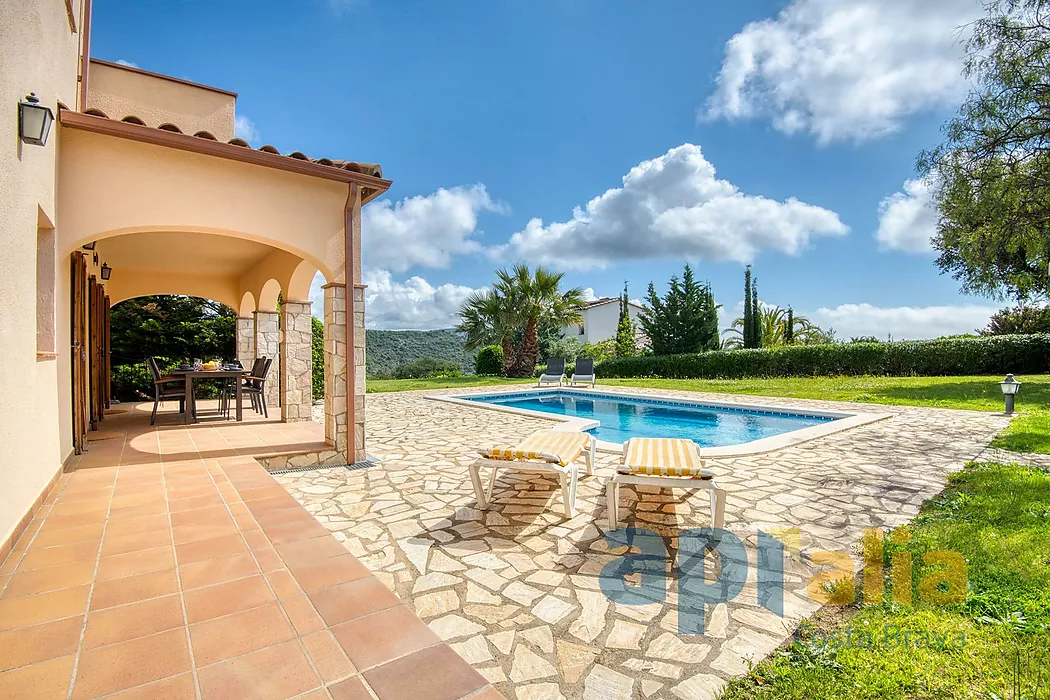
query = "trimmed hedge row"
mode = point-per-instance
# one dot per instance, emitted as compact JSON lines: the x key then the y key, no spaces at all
{"x":1019,"y":354}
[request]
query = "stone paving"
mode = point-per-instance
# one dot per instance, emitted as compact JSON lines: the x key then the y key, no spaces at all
{"x":514,"y":590}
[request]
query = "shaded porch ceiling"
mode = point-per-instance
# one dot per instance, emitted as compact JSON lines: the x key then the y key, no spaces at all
{"x":184,"y":253}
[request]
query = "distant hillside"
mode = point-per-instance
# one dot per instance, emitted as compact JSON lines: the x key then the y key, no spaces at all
{"x":387,"y":350}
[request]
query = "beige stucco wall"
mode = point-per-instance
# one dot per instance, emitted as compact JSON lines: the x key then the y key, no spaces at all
{"x":120,"y":92}
{"x":38,"y":53}
{"x":112,"y":186}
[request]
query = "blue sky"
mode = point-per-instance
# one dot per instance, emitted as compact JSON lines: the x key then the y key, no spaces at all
{"x":778,"y":133}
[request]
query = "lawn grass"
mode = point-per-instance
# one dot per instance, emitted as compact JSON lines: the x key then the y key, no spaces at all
{"x":998,"y":518}
{"x":1029,"y":432}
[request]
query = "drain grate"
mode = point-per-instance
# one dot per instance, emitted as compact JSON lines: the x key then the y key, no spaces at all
{"x":317,"y":467}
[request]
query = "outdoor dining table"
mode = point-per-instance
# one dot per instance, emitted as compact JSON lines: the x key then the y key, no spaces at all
{"x":190,"y":374}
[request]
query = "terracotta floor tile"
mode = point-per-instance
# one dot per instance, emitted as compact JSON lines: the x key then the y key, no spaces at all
{"x":489,"y":693}
{"x":132,"y":563}
{"x":31,"y":645}
{"x":84,"y":507}
{"x":48,"y":680}
{"x":435,"y":673}
{"x":225,"y":637}
{"x":132,"y":589}
{"x":225,"y":598}
{"x":284,"y":584}
{"x":350,"y":689}
{"x":117,"y":528}
{"x":174,"y":688}
{"x":348,"y":601}
{"x":275,"y":672}
{"x":376,"y":639}
{"x":125,"y":622}
{"x":43,"y":607}
{"x":306,"y":529}
{"x":262,"y":492}
{"x":135,"y":541}
{"x":131,"y":663}
{"x":51,"y":579}
{"x":329,"y":572}
{"x":43,"y":557}
{"x":139,"y":511}
{"x":210,"y":549}
{"x":212,"y":501}
{"x":268,"y":559}
{"x":185,"y":534}
{"x":306,"y":551}
{"x":329,"y":658}
{"x":50,"y":535}
{"x":302,"y":614}
{"x":215,"y":515}
{"x":209,"y":572}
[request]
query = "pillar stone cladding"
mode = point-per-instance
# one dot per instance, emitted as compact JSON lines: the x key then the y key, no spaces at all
{"x":335,"y":413}
{"x":246,"y":341}
{"x":268,"y":345}
{"x":296,"y":362}
{"x":359,"y":377}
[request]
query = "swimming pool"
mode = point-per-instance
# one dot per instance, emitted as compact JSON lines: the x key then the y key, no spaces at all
{"x":621,"y":418}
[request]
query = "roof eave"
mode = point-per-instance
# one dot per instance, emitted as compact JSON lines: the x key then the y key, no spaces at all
{"x":371,"y":187}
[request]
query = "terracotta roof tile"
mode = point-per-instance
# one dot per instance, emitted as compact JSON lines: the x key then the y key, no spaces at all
{"x":372,"y":169}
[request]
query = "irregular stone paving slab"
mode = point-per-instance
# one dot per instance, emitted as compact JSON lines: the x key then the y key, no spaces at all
{"x":505,"y":583}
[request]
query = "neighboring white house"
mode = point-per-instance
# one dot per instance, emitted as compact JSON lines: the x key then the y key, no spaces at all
{"x":600,"y":318}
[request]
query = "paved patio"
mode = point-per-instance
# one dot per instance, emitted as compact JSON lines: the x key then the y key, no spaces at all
{"x":170,"y":564}
{"x":514,"y":590}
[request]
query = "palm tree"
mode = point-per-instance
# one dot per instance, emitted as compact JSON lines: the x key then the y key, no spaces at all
{"x":772,"y":323}
{"x":519,"y":303}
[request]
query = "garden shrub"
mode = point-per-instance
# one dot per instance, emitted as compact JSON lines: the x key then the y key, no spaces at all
{"x":1018,"y":354}
{"x":489,"y":361}
{"x":428,"y":368}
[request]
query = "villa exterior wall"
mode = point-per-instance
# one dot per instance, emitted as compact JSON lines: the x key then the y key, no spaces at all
{"x":599,"y":323}
{"x":39,"y":53}
{"x":268,"y":344}
{"x":121,"y":91}
{"x":296,"y":362}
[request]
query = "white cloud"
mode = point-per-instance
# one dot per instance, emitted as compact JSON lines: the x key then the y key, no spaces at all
{"x":902,"y":322}
{"x":424,"y":230}
{"x":589,"y":295}
{"x":129,"y":64}
{"x":908,"y":219}
{"x":317,"y":296}
{"x":845,"y":69}
{"x":414,"y":304}
{"x":244,"y":128}
{"x":673,"y":206}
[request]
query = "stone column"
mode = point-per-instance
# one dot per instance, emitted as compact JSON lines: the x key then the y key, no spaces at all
{"x":335,"y":415}
{"x":359,"y":365}
{"x":296,"y":362}
{"x":268,"y":345}
{"x":246,"y":341}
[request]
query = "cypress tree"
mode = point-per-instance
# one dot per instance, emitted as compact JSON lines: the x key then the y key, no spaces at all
{"x":789,"y":330}
{"x":756,"y":315}
{"x":747,"y":307}
{"x":625,"y":329}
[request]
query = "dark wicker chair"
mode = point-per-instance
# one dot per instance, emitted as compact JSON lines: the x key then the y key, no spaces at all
{"x":255,"y":385}
{"x":164,"y":388}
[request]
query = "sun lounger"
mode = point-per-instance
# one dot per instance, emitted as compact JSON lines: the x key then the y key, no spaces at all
{"x":554,"y":373}
{"x":584,"y":372}
{"x":666,"y":463}
{"x":550,"y":451}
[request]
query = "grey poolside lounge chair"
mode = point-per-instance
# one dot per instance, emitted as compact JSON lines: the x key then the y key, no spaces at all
{"x":555,"y":372}
{"x":584,"y":372}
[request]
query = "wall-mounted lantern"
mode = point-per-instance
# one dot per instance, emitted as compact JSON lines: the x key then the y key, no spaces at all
{"x":34,"y":120}
{"x":106,"y":271}
{"x":89,"y":246}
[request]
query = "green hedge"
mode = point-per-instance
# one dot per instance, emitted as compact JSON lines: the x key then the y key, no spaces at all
{"x":1019,"y":354}
{"x":489,"y":361}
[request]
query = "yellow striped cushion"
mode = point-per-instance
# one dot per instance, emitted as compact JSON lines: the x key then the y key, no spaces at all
{"x":663,"y":457}
{"x":555,"y":446}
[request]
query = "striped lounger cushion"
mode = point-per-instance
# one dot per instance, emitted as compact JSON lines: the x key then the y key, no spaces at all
{"x":554,"y":446}
{"x":663,"y":457}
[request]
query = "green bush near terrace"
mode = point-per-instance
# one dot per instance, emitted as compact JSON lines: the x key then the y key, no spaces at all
{"x":994,"y":355}
{"x":489,"y":361}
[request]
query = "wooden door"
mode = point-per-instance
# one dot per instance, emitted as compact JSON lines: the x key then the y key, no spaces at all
{"x":79,"y":348}
{"x":97,"y":342}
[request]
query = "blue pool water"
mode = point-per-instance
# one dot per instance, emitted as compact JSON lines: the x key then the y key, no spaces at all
{"x":624,"y":418}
